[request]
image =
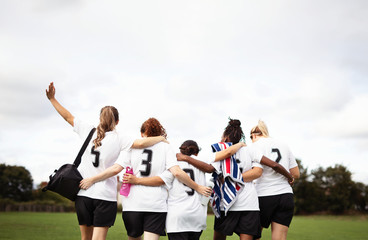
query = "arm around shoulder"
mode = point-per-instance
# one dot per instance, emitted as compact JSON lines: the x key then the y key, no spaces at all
{"x":109,"y":172}
{"x":252,"y":174}
{"x":204,"y":167}
{"x":145,"y":181}
{"x":228,"y":152}
{"x":277,"y":167}
{"x":295,"y":172}
{"x":184,"y":178}
{"x":148,"y":142}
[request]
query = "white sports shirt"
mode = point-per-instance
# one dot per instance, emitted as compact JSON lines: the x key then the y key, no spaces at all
{"x":247,"y":200}
{"x":95,"y":161}
{"x":148,"y":162}
{"x":185,"y":211}
{"x":272,"y":183}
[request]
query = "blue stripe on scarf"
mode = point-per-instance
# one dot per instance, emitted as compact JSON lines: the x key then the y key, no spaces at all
{"x":225,"y":193}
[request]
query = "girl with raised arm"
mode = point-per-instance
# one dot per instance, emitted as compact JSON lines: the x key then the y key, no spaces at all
{"x":96,"y":207}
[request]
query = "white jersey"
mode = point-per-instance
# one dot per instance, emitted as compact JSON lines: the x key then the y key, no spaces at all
{"x":247,"y":199}
{"x":272,"y":183}
{"x":148,"y":162}
{"x":185,"y":211}
{"x":95,"y":161}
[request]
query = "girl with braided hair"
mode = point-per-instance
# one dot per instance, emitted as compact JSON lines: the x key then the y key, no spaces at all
{"x":96,"y":206}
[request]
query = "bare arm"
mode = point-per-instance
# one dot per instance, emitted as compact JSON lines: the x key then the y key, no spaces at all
{"x":184,"y":178}
{"x":278,"y":168}
{"x":108,"y":172}
{"x":146,"y":181}
{"x":295,"y":172}
{"x":50,"y":93}
{"x":252,"y":174}
{"x":204,"y":167}
{"x":228,"y":152}
{"x":147,"y":142}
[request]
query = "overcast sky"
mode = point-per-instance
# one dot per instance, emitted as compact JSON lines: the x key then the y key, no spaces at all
{"x":300,"y":66}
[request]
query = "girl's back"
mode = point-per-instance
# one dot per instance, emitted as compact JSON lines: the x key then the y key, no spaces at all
{"x":148,"y":162}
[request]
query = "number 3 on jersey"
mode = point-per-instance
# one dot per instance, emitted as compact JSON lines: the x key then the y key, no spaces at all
{"x":191,"y":175}
{"x":147,"y":162}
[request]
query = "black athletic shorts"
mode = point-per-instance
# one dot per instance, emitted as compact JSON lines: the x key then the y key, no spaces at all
{"x":239,"y":222}
{"x":184,"y":235}
{"x":95,"y":212}
{"x":277,"y":208}
{"x":136,"y":223}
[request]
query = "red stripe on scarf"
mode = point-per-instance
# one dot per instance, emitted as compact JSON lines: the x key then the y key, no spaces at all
{"x":227,"y":161}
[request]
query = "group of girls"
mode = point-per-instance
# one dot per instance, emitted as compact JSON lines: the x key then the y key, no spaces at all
{"x":168,"y":187}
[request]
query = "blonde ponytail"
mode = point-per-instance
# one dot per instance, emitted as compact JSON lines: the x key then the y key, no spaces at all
{"x":109,"y":118}
{"x":260,"y":129}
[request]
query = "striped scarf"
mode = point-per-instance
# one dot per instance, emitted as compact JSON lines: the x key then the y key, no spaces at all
{"x":224,"y":194}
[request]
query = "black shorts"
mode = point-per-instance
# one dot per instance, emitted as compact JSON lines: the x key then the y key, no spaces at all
{"x":136,"y":223}
{"x":95,"y":212}
{"x":239,"y":222}
{"x":184,"y":235}
{"x":277,"y":208}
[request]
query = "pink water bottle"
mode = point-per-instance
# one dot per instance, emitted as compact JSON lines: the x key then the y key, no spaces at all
{"x":125,"y":187}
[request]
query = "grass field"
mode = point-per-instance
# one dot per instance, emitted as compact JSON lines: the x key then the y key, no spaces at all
{"x":42,"y":226}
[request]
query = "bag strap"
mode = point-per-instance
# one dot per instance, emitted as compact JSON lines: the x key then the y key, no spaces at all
{"x":78,"y":159}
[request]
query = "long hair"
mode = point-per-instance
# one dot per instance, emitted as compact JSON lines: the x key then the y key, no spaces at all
{"x":109,"y":116}
{"x":261,"y":129}
{"x":152,"y":128}
{"x":233,"y":131}
{"x":189,"y":147}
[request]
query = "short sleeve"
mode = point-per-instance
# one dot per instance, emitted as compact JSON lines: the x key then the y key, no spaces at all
{"x":168,"y":178}
{"x":255,"y":153}
{"x":126,"y":142}
{"x":207,"y":156}
{"x":124,"y":159}
{"x":82,"y":128}
{"x":292,"y":160}
{"x":170,"y":157}
{"x":217,"y":166}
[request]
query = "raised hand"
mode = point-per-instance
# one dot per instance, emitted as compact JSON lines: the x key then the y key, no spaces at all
{"x":50,"y":93}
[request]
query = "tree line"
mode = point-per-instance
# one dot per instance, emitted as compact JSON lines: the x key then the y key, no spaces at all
{"x":328,"y":190}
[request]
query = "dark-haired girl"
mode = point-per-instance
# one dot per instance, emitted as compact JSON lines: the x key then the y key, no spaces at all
{"x":243,"y":216}
{"x":96,"y":206}
{"x":145,"y":209}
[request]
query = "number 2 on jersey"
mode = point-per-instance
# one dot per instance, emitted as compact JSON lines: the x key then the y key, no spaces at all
{"x":147,"y":162}
{"x":276,"y":150}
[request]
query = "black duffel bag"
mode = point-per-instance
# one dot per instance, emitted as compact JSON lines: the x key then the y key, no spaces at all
{"x":65,"y":181}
